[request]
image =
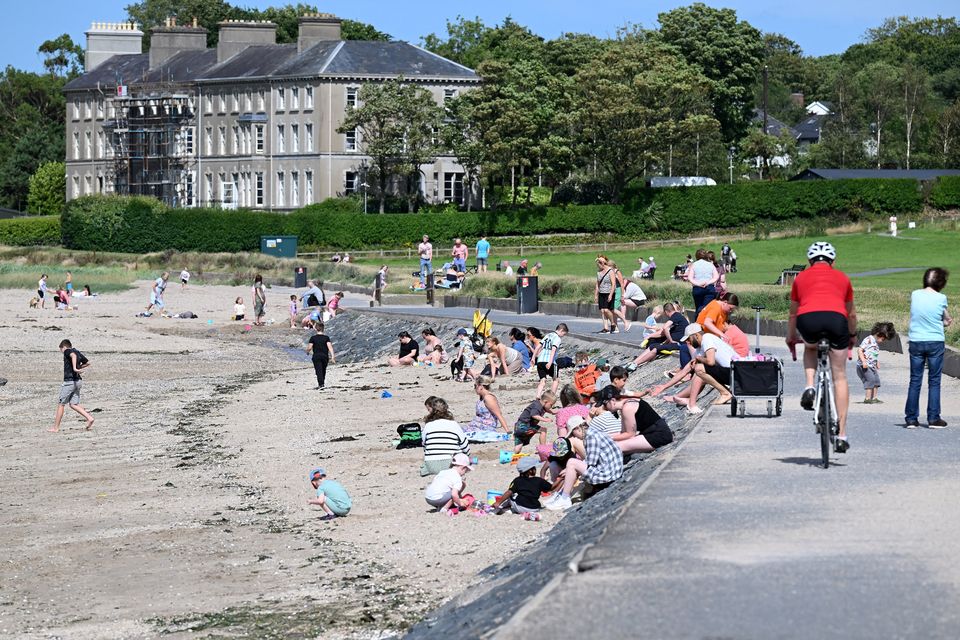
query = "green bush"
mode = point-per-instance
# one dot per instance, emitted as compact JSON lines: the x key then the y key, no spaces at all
{"x":140,"y":225}
{"x":30,"y":231}
{"x":945,"y":193}
{"x":688,"y":209}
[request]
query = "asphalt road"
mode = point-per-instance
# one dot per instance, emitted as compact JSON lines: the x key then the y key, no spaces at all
{"x":744,"y":536}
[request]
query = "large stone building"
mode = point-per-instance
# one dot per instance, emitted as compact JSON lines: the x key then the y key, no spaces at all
{"x":250,"y":123}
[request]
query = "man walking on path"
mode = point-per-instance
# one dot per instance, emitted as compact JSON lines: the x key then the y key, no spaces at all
{"x":425,"y":250}
{"x":483,"y":254}
{"x":73,"y":363}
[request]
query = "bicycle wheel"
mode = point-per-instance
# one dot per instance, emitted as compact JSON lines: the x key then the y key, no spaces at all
{"x":824,"y":411}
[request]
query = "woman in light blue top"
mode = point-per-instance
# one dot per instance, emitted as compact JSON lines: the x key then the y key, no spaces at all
{"x":928,"y":317}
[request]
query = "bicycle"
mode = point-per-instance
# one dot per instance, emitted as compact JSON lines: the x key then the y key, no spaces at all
{"x":826,"y":419}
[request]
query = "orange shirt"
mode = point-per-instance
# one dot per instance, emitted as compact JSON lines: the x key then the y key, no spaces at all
{"x":713,"y":311}
{"x":585,"y":379}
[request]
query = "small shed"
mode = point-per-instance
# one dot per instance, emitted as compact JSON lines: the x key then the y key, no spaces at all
{"x":279,"y":246}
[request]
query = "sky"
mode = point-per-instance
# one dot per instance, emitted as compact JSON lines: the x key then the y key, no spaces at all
{"x":820,"y":28}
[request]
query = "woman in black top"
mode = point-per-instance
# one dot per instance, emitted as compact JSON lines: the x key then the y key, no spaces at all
{"x":320,"y":347}
{"x":643,"y":429}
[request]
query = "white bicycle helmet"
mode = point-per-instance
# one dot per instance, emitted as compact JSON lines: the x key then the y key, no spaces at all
{"x":821,"y":250}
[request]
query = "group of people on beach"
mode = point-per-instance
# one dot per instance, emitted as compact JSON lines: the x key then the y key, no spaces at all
{"x":575,"y":438}
{"x":61,"y":297}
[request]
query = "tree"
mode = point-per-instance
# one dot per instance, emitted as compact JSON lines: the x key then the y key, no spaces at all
{"x":841,"y":140}
{"x":948,"y":135}
{"x":464,"y":137}
{"x":353,"y":30}
{"x":632,"y":102}
{"x":31,"y":129}
{"x":914,"y":92}
{"x":728,"y":51}
{"x":471,"y":42}
{"x":62,"y":57}
{"x":209,"y":13}
{"x":877,"y":86}
{"x":761,"y":146}
{"x":420,"y":120}
{"x":48,"y":189}
{"x":518,"y":109}
{"x":395,"y":123}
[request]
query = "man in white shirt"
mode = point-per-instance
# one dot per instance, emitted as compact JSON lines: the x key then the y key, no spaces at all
{"x":711,"y":364}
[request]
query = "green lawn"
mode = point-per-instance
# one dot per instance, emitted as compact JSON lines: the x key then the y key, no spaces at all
{"x":760,"y":261}
{"x":569,"y":276}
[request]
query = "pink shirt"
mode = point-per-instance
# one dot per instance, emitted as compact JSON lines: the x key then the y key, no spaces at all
{"x":425,"y":249}
{"x":460,"y":253}
{"x":565,"y":413}
{"x":334,"y":303}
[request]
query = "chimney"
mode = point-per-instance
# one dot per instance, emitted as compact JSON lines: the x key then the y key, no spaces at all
{"x":108,"y":39}
{"x":797,"y":100}
{"x":317,"y":27}
{"x":237,"y":35}
{"x":170,"y":39}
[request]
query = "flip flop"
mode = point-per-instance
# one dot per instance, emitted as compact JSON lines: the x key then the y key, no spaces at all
{"x":721,"y":400}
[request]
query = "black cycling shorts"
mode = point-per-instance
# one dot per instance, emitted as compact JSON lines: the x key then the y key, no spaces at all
{"x":824,"y":324}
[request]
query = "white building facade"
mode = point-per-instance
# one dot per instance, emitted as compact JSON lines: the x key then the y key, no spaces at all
{"x":249,"y":123}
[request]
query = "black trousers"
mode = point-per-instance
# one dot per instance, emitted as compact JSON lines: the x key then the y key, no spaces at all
{"x":320,"y":366}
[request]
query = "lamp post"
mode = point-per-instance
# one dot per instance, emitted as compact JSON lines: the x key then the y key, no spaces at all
{"x":730,"y":153}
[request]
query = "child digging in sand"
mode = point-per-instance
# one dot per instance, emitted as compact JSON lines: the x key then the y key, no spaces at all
{"x":868,"y":360}
{"x":331,"y":495}
{"x":523,"y":495}
{"x":446,"y":491}
{"x":530,"y":421}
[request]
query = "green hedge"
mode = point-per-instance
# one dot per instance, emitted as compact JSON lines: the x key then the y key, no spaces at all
{"x":30,"y":231}
{"x":140,"y":225}
{"x":687,"y":209}
{"x":945,"y":193}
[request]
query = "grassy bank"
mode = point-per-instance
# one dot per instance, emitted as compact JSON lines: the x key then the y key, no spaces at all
{"x":21,"y":267}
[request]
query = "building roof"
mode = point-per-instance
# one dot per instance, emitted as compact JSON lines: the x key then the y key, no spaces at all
{"x":774,"y":127}
{"x":845,"y":174}
{"x":338,"y":58}
{"x":808,"y":130}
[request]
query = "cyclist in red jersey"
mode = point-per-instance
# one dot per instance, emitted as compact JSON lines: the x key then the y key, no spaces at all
{"x":821,"y":306}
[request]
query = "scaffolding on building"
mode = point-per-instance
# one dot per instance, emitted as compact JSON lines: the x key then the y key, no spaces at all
{"x":152,"y":140}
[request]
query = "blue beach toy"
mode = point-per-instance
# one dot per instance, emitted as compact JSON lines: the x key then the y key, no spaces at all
{"x":386,"y":394}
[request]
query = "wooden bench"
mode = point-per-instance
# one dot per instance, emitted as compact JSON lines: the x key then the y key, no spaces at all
{"x":787,"y":276}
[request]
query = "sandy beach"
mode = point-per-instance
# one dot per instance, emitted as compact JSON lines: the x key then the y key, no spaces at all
{"x":184,"y":511}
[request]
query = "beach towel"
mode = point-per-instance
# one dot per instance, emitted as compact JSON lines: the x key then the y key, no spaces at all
{"x":487,"y":436}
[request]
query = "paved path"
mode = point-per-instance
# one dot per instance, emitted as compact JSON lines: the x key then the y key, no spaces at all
{"x":744,"y":536}
{"x":577,"y":325}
